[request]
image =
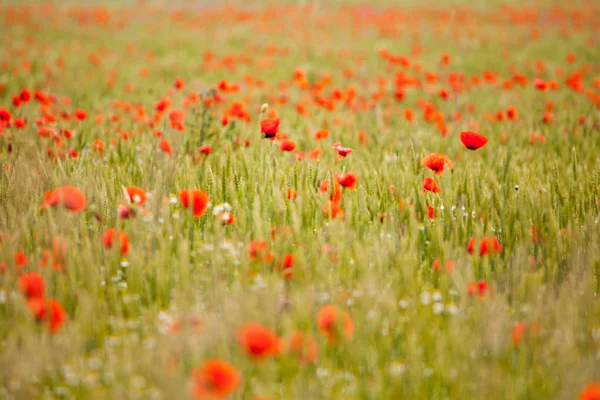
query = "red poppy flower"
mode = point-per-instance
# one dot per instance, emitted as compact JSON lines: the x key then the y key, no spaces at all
{"x":269,"y":127}
{"x":56,"y":317}
{"x":125,"y":212}
{"x":287,"y":145}
{"x":429,"y":184}
{"x":178,"y":84}
{"x":342,"y":151}
{"x":68,"y":196}
{"x":324,"y":185}
{"x":80,"y":114}
{"x":136,"y":195}
{"x":540,"y":84}
{"x":332,"y":209}
{"x":258,"y":341}
{"x":20,"y":123}
{"x":517,"y":333}
{"x":21,"y":260}
{"x":197,"y":199}
{"x":48,"y":311}
{"x":348,"y":180}
{"x":109,"y":236}
{"x":436,"y":162}
{"x":304,"y":348}
{"x":496,"y":246}
{"x":430,"y":212}
{"x":335,"y":324}
{"x":285,"y":266}
{"x":59,"y":251}
{"x":479,"y":288}
{"x":315,"y":153}
{"x":205,"y":149}
{"x":471,"y":245}
{"x":484,"y":246}
{"x":291,"y":194}
{"x":321,"y":134}
{"x":37,"y":307}
{"x":590,"y":392}
{"x":5,"y":117}
{"x":166,"y":146}
{"x":215,"y":379}
{"x":98,"y":146}
{"x":32,"y":285}
{"x":259,"y":251}
{"x":450,"y":266}
{"x":472,"y":140}
{"x":25,"y":95}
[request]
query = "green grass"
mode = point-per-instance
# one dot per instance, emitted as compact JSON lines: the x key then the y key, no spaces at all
{"x":418,"y":333}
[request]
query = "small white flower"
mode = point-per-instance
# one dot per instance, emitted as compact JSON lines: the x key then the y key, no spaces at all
{"x":452,"y":309}
{"x":438,"y":308}
{"x":403,"y":303}
{"x":437,"y":296}
{"x":225,"y":216}
{"x":217,"y":209}
{"x":425,"y":298}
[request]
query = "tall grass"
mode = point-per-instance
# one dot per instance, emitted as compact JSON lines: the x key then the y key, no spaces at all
{"x":419,"y":333}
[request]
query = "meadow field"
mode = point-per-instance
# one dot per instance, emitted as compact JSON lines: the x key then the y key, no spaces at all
{"x":300,"y":200}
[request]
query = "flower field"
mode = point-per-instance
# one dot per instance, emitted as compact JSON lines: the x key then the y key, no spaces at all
{"x":300,"y":200}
